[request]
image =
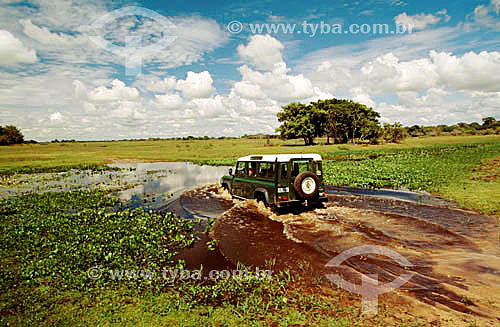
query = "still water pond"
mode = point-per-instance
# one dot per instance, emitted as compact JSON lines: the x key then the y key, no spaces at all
{"x":137,"y":184}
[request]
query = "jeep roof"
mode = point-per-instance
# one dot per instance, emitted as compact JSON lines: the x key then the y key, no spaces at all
{"x":279,"y":157}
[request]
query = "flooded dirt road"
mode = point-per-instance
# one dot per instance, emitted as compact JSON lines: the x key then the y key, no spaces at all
{"x":454,"y":254}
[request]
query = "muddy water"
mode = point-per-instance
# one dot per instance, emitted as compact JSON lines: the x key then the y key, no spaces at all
{"x":454,"y":254}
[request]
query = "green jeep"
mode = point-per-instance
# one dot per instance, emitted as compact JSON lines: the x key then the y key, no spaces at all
{"x":277,"y":180}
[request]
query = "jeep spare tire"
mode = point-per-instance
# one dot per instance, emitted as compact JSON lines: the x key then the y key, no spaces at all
{"x":306,"y":185}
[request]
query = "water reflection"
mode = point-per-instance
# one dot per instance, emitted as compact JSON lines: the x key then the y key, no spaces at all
{"x":140,"y":184}
{"x":160,"y":191}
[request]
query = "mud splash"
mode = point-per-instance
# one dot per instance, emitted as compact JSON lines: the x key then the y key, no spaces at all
{"x":454,"y":253}
{"x":202,"y":203}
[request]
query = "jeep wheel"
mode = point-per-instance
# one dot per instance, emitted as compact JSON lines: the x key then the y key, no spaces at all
{"x":306,"y":185}
{"x":259,"y":197}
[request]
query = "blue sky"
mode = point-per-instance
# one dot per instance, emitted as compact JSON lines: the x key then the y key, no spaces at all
{"x":57,"y":82}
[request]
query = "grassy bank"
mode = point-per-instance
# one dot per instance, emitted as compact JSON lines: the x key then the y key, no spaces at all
{"x":48,"y":243}
{"x":450,"y":171}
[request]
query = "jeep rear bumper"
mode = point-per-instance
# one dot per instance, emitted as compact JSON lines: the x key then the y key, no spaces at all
{"x":281,"y":204}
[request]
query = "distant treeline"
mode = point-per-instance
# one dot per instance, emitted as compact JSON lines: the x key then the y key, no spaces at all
{"x":489,"y":126}
{"x":365,"y":129}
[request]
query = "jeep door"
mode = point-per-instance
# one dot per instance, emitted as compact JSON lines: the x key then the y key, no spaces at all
{"x":265,"y":180}
{"x":240,"y":174}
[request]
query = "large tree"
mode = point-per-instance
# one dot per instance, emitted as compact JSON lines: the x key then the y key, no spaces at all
{"x":302,"y":121}
{"x":10,"y":135}
{"x":349,"y":121}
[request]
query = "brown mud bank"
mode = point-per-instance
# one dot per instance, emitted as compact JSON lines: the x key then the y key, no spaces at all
{"x":454,"y":254}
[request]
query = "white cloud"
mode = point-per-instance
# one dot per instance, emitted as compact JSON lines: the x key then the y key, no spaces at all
{"x":388,"y":74}
{"x":132,"y":113}
{"x":196,"y":36}
{"x":56,"y":116}
{"x":471,"y":71}
{"x":196,"y":85}
{"x":483,"y":18}
{"x":419,"y":21}
{"x":395,"y":70}
{"x":263,"y":52}
{"x":156,"y":84}
{"x":13,"y":52}
{"x":248,"y":90}
{"x":118,"y":91}
{"x":45,"y":36}
{"x":80,"y":90}
{"x":208,"y":107}
{"x":168,"y":101}
{"x":278,"y":84}
{"x":359,"y":95}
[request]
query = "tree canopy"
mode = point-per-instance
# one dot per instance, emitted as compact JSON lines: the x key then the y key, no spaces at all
{"x":342,"y":120}
{"x":301,"y":121}
{"x":10,"y":135}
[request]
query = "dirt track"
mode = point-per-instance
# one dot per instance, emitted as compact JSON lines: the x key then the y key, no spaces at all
{"x":455,"y":254}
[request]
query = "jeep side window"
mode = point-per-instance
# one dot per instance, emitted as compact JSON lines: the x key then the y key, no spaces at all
{"x":266,"y":170}
{"x":241,"y":168}
{"x":318,"y":167}
{"x":253,"y":169}
{"x":300,"y":166}
{"x":270,"y":171}
{"x":284,"y":170}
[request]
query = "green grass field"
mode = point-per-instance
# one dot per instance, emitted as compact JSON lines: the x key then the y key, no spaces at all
{"x":46,"y":155}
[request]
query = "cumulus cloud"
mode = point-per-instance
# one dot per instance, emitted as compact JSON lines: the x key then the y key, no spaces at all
{"x":361,"y":96}
{"x":263,"y":52}
{"x":196,"y":85}
{"x":421,"y":21}
{"x":388,"y":74}
{"x":118,"y":91}
{"x":13,"y":52}
{"x":471,"y":71}
{"x":168,"y":101}
{"x":209,"y":107}
{"x":156,"y":84}
{"x":248,"y":90}
{"x":277,"y":84}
